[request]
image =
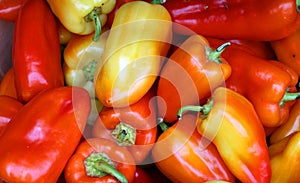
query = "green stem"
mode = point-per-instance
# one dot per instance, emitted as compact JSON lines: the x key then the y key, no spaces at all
{"x":214,"y":55}
{"x":288,"y":97}
{"x":205,"y":109}
{"x":94,"y":16}
{"x":124,"y":134}
{"x":298,"y":6}
{"x":158,"y":1}
{"x":99,"y":165}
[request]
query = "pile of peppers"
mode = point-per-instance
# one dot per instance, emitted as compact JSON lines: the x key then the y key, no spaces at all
{"x":151,"y":91}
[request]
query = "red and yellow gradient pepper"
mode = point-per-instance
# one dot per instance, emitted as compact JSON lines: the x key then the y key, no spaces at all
{"x":43,"y":134}
{"x":133,"y":53}
{"x":230,"y":121}
{"x":99,"y":160}
{"x":284,"y":158}
{"x":183,"y":155}
{"x":189,"y":76}
{"x":36,"y":50}
{"x":82,"y":17}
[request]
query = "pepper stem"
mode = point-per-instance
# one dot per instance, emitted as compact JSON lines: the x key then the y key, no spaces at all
{"x":98,"y":164}
{"x":214,"y":55}
{"x":298,"y":6}
{"x":124,"y":134}
{"x":158,"y":2}
{"x":205,"y":109}
{"x":288,"y":97}
{"x":94,"y":16}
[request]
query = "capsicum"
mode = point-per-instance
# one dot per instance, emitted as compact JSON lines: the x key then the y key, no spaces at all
{"x":133,"y":126}
{"x":7,"y":85}
{"x":36,"y":59}
{"x":9,"y":9}
{"x":183,"y":155}
{"x":230,"y":121}
{"x":253,"y":20}
{"x":100,"y":160}
{"x":284,"y":156}
{"x":43,"y":134}
{"x":8,"y":109}
{"x":189,"y":76}
{"x":268,"y":84}
{"x":82,"y":17}
{"x":133,"y":53}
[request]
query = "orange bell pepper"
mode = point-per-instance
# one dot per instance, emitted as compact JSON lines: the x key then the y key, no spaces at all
{"x":39,"y":140}
{"x":189,"y":76}
{"x":230,"y":121}
{"x":183,"y":155}
{"x":7,"y":85}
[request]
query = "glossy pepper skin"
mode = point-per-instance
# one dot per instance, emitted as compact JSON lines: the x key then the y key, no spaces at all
{"x":133,"y":57}
{"x":108,"y":155}
{"x":183,"y":155}
{"x":7,"y":85}
{"x":289,"y":127}
{"x":9,"y":9}
{"x":284,"y":156}
{"x":42,"y":136}
{"x":137,"y":121}
{"x":36,"y":59}
{"x":189,"y":76}
{"x":257,"y":78}
{"x":287,"y":50}
{"x":82,"y":17}
{"x":252,"y":20}
{"x":230,"y":121}
{"x":8,"y":109}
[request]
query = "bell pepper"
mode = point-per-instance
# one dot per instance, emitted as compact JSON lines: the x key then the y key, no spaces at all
{"x":264,"y":83}
{"x":189,"y":75}
{"x":42,"y":136}
{"x":8,"y":109}
{"x":82,"y":17}
{"x":252,"y":20}
{"x":287,"y":50}
{"x":284,"y":156}
{"x":133,"y":126}
{"x":141,"y":176}
{"x":36,"y":59}
{"x":183,"y":155}
{"x":133,"y":53}
{"x":230,"y":121}
{"x":9,"y":9}
{"x":7,"y":85}
{"x":289,"y":127}
{"x":64,"y":35}
{"x":100,"y":160}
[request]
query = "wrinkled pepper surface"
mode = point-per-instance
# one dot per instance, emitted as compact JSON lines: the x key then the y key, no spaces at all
{"x":82,"y":17}
{"x":133,"y":126}
{"x":99,"y":160}
{"x":183,"y":155}
{"x":9,"y":9}
{"x":189,"y":76}
{"x":230,"y":121}
{"x":42,"y":136}
{"x":133,"y":53}
{"x":7,"y":85}
{"x":287,"y":50}
{"x":284,"y":158}
{"x":253,"y":20}
{"x":36,"y":59}
{"x":256,"y":78}
{"x":8,"y":109}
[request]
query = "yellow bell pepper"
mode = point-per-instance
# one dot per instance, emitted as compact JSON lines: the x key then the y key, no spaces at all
{"x":284,"y":159}
{"x":82,"y":17}
{"x":136,"y":46}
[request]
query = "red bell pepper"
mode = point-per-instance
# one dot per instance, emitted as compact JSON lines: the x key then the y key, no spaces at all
{"x":189,"y":75}
{"x":9,"y":9}
{"x":183,"y":155}
{"x":39,"y":140}
{"x":98,"y":160}
{"x":253,"y":20}
{"x":264,"y":82}
{"x":133,"y":126}
{"x":7,"y":85}
{"x":8,"y":109}
{"x":36,"y":50}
